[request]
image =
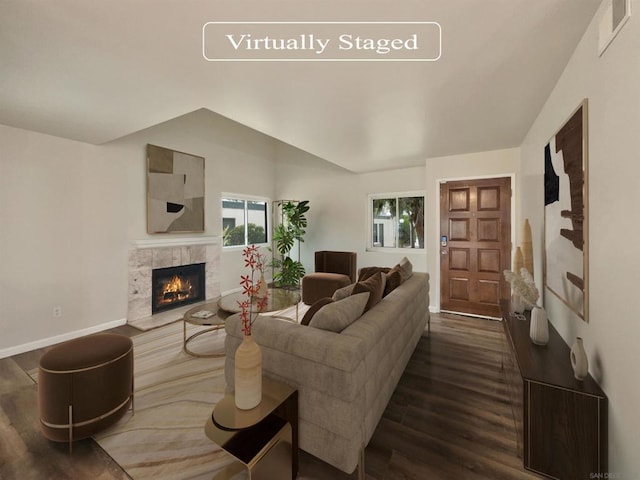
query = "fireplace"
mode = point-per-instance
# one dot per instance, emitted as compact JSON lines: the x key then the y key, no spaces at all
{"x":174,"y":287}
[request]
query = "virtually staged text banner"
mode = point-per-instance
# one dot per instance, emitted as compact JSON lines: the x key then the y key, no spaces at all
{"x":322,"y":41}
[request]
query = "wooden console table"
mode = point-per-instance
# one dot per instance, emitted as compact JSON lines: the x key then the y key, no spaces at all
{"x":561,"y":422}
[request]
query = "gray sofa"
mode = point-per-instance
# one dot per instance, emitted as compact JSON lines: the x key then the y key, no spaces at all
{"x":345,"y":380}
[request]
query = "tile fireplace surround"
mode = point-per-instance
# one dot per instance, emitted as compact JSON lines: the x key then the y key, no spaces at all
{"x":149,"y":254}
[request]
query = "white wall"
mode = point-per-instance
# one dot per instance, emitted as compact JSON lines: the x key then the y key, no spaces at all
{"x":612,"y":85}
{"x":62,"y":238}
{"x":496,"y":163}
{"x":338,"y":201}
{"x":69,"y":212}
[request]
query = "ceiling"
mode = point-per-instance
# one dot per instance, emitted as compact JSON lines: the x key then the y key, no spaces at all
{"x":95,"y":71}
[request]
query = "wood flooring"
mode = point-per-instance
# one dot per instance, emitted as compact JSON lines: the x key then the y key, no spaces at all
{"x":449,"y":418}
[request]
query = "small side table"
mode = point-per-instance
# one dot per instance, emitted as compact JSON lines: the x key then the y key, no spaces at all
{"x":263,"y":440}
{"x":198,"y":315}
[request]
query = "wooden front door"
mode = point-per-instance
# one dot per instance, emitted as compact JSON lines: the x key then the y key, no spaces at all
{"x":475,"y":218}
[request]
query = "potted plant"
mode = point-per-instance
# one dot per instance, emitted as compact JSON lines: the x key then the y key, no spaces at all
{"x":291,"y":229}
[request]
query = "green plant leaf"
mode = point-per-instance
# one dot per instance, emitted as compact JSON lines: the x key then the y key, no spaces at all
{"x":290,"y":273}
{"x":291,"y":229}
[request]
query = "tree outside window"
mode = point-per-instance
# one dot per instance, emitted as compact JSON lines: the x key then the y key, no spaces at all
{"x":244,"y":222}
{"x":397,"y":221}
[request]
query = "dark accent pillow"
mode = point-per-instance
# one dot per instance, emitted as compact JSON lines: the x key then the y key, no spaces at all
{"x":394,"y":280}
{"x":313,"y":309}
{"x":374,"y":285}
{"x":367,"y":272}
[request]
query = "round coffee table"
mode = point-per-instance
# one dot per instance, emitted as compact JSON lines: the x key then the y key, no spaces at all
{"x":203,"y":315}
{"x":278,"y":299}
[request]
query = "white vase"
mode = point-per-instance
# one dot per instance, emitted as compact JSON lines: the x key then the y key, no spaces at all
{"x":248,"y":374}
{"x":517,"y":304}
{"x":539,"y":328}
{"x":579,"y":360}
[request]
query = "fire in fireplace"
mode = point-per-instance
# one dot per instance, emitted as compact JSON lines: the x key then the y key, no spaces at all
{"x":177,"y":286}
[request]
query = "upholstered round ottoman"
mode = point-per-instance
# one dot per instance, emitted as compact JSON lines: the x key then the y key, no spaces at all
{"x":322,"y":284}
{"x":85,"y":385}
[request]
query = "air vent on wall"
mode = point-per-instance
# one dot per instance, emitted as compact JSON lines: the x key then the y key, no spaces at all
{"x":614,"y":16}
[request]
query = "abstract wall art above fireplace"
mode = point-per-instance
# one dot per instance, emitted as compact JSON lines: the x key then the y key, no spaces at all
{"x":175,"y":191}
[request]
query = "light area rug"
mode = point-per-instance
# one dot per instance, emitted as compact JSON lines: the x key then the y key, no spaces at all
{"x":175,"y":394}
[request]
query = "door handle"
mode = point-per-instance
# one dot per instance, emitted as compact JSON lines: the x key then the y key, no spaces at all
{"x":443,"y":252}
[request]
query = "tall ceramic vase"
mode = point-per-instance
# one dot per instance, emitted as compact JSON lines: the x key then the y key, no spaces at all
{"x":248,"y":374}
{"x":579,"y":360}
{"x":539,"y":327}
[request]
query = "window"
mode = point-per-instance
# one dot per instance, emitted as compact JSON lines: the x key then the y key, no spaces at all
{"x":244,"y":220}
{"x":396,"y":220}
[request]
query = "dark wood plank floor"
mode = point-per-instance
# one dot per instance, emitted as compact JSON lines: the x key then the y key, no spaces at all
{"x":449,"y":418}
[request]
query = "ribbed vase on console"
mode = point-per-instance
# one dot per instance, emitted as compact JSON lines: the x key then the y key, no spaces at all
{"x":248,"y":374}
{"x":539,"y":327}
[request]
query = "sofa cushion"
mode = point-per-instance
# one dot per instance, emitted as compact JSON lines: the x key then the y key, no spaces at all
{"x":374,"y":285}
{"x":313,"y":309}
{"x":336,"y":316}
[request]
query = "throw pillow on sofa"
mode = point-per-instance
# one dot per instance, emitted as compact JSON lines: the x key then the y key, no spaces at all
{"x":343,"y":292}
{"x":374,"y":285}
{"x":394,"y":280}
{"x":366,"y":272}
{"x":313,"y":309}
{"x":406,"y":268}
{"x":336,"y":316}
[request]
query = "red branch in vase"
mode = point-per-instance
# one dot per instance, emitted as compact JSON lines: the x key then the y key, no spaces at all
{"x":254,"y":260}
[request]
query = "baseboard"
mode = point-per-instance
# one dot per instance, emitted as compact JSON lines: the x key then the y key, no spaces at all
{"x":45,"y":342}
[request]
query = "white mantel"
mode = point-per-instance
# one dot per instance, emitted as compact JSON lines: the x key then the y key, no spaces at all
{"x":176,"y":242}
{"x":145,"y":255}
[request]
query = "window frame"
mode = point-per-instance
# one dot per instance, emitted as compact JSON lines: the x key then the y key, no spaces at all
{"x":246,"y":198}
{"x":397,"y":195}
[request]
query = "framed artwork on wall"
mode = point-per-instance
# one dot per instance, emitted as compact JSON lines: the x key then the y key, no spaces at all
{"x":566,"y":218}
{"x":175,"y":191}
{"x":613,"y":17}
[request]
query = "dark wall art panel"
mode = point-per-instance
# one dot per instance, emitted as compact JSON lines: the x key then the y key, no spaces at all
{"x":566,"y":213}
